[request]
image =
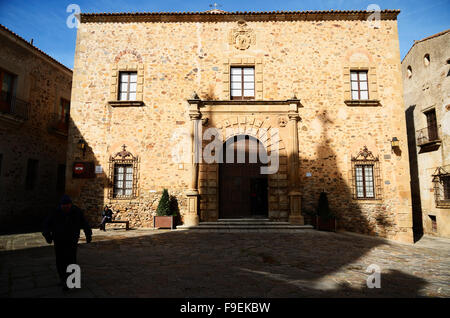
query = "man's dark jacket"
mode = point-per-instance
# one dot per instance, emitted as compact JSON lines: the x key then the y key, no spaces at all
{"x":65,"y":227}
{"x":108,"y":213}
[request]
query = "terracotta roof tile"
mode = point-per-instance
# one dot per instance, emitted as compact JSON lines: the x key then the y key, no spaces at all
{"x":90,"y":17}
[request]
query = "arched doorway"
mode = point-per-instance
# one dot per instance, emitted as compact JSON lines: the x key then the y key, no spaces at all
{"x":243,"y":190}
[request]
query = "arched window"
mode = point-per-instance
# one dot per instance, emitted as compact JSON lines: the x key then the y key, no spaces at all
{"x":409,"y":71}
{"x":426,"y":59}
{"x":366,"y":181}
{"x":123,"y":173}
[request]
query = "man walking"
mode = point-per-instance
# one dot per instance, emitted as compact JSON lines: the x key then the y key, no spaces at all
{"x":63,"y":227}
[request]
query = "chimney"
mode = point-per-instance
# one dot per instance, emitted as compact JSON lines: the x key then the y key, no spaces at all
{"x":31,"y":42}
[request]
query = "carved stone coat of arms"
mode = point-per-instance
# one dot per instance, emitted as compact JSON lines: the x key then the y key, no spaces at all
{"x":242,"y":36}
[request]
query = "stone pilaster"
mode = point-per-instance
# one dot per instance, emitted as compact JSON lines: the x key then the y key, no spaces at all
{"x":295,"y":215}
{"x":191,"y":218}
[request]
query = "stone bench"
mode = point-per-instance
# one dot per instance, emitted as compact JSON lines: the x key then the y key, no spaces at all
{"x":127,"y":224}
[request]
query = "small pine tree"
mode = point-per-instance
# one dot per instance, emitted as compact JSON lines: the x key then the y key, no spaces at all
{"x":164,"y":204}
{"x":323,"y":210}
{"x":173,"y":203}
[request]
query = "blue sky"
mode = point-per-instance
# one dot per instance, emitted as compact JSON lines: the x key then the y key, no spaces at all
{"x":45,"y":20}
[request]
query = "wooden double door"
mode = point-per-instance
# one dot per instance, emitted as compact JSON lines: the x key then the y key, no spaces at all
{"x":243,"y":190}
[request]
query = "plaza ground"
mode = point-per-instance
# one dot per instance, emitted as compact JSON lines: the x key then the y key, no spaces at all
{"x":160,"y":263}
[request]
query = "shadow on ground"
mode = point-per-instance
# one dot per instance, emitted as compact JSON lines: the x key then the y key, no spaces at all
{"x":196,"y":264}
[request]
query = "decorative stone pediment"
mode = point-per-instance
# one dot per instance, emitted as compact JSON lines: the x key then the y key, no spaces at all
{"x":242,"y":36}
{"x":365,"y":155}
{"x":123,"y":155}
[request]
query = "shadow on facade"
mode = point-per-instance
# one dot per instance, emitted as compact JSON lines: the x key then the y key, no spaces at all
{"x":87,"y":190}
{"x":414,"y":172}
{"x":272,"y":265}
{"x":22,"y":205}
{"x":365,"y":218}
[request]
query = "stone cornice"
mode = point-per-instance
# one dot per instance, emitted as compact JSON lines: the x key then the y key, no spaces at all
{"x":222,"y":16}
{"x":245,"y":102}
{"x":367,"y":103}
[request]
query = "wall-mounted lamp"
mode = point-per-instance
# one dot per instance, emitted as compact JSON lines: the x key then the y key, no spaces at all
{"x":82,"y":146}
{"x":395,"y":143}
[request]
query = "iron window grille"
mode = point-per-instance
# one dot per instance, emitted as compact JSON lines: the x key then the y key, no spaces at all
{"x":123,"y":174}
{"x":359,"y":85}
{"x":441,"y":186}
{"x":366,"y":179}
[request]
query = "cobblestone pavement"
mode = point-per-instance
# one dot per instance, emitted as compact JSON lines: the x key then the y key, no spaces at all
{"x":150,"y":263}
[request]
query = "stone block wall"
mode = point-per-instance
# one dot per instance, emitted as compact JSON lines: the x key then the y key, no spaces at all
{"x":305,"y":58}
{"x":41,"y":82}
{"x":426,"y":88}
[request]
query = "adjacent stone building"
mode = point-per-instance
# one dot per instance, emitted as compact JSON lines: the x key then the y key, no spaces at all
{"x":426,"y":78}
{"x":34,"y":115}
{"x":320,"y":92}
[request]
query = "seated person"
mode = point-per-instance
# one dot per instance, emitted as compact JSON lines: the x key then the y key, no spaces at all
{"x":107,"y":217}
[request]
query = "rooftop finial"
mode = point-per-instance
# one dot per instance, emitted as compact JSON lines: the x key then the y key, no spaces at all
{"x":215,"y":6}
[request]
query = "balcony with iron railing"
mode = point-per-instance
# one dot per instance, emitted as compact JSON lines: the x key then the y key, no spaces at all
{"x":59,"y":124}
{"x":428,"y":137}
{"x":13,"y":111}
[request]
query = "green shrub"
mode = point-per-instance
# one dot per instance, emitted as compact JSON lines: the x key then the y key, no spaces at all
{"x":323,"y":210}
{"x":164,"y":204}
{"x":168,"y":205}
{"x":173,"y":203}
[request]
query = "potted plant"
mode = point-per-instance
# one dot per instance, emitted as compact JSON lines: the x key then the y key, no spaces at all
{"x":325,"y":220}
{"x":166,"y":212}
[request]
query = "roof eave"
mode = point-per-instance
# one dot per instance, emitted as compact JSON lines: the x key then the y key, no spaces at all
{"x":209,"y":16}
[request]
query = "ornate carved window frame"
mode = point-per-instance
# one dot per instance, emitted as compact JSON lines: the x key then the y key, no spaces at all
{"x":372,"y":83}
{"x":123,"y":157}
{"x":243,"y":62}
{"x":114,"y":85}
{"x":439,"y":175}
{"x":366,"y":158}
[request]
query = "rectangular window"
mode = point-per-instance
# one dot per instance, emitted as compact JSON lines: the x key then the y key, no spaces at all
{"x":359,"y":85}
{"x":446,"y":187}
{"x":242,"y":81}
{"x":32,"y":171}
{"x":64,"y":111}
{"x":365,"y":187}
{"x":123,"y":180}
{"x":7,"y":81}
{"x":127,"y":85}
{"x":432,"y":125}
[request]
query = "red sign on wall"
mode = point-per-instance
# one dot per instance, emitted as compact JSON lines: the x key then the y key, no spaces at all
{"x":83,"y":170}
{"x":78,"y":168}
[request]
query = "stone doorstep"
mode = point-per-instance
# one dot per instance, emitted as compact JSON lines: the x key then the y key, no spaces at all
{"x":243,"y":226}
{"x":246,"y":223}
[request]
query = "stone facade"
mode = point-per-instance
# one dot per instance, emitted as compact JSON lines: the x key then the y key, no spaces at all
{"x":426,"y":76}
{"x":30,"y":130}
{"x":302,"y":64}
